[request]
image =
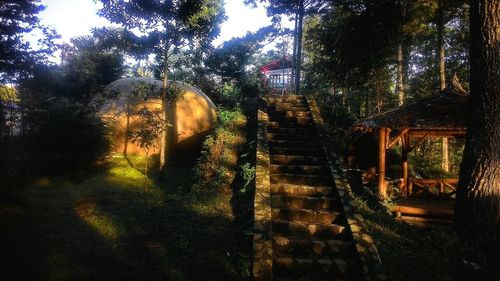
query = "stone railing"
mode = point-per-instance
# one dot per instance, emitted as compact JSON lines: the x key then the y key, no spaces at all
{"x":262,"y":239}
{"x":365,"y":246}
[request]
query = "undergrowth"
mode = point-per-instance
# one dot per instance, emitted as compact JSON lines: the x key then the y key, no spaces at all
{"x":216,"y":167}
{"x":107,"y":225}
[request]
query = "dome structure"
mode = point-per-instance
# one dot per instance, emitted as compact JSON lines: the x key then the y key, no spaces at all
{"x":190,"y":119}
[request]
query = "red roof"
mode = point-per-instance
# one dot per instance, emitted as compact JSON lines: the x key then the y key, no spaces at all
{"x":282,"y":63}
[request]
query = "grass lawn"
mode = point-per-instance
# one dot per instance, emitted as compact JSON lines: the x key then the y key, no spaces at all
{"x":110,"y":225}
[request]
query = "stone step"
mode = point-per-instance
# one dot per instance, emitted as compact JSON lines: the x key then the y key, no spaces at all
{"x":291,"y":125}
{"x":292,"y":120}
{"x":316,"y":269}
{"x":309,"y":131}
{"x":287,"y":107}
{"x":301,"y":191}
{"x":282,"y":159}
{"x":307,"y":230}
{"x":285,"y":246}
{"x":314,"y":180}
{"x":304,"y":215}
{"x":300,"y":151}
{"x":294,"y":137}
{"x":289,"y":98}
{"x":294,"y":143}
{"x":299,"y":169}
{"x":295,"y":103}
{"x":290,"y":113}
{"x":304,"y":202}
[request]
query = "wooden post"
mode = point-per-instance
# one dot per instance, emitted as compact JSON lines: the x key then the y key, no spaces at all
{"x":382,"y":188}
{"x":445,"y":161}
{"x":404,"y":156}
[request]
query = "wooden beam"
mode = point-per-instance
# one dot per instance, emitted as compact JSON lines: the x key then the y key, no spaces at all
{"x":438,"y":133}
{"x":382,"y":188}
{"x":423,"y":211}
{"x":425,"y":220}
{"x":396,"y":138}
{"x":418,"y":142}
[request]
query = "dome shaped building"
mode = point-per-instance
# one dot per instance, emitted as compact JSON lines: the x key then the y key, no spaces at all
{"x":190,"y":119}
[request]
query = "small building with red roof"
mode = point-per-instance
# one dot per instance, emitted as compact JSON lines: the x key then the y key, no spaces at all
{"x":277,"y":76}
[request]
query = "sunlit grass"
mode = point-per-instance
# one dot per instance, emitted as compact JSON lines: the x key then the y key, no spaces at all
{"x":88,"y":212}
{"x":112,"y":224}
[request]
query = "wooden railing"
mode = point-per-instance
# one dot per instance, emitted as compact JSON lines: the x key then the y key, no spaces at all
{"x":445,"y":187}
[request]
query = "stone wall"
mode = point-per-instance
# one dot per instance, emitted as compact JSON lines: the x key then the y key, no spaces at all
{"x":262,"y":239}
{"x":372,"y":265}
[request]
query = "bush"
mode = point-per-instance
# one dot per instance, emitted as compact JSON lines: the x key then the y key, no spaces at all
{"x":217,"y":165}
{"x":62,"y":136}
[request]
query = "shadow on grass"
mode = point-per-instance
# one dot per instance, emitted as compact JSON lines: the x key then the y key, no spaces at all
{"x":109,"y":227}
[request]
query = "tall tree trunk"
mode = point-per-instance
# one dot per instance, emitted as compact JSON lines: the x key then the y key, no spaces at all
{"x":2,"y":120}
{"x":400,"y":83}
{"x":440,"y":31}
{"x":127,"y":131}
{"x":445,"y":163}
{"x":294,"y":54}
{"x":378,"y":90}
{"x":334,"y":102}
{"x":477,"y":209}
{"x":299,"y":47}
{"x":164,"y":142}
{"x":400,"y":89}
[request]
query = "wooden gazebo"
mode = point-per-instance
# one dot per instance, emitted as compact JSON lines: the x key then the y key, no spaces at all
{"x":442,"y":115}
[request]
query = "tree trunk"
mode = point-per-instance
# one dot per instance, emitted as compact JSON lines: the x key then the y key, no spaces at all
{"x":164,"y":142}
{"x":440,"y":29}
{"x":445,"y":165}
{"x":127,"y":131}
{"x":299,"y":47}
{"x":400,"y":83}
{"x":2,"y":120}
{"x":294,"y":54}
{"x":477,"y":209}
{"x":378,"y":92}
{"x":334,"y":103}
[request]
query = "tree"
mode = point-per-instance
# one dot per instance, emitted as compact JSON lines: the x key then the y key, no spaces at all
{"x":162,"y":28}
{"x":477,"y":209}
{"x":19,"y":17}
{"x":297,"y":10}
{"x":88,"y":67}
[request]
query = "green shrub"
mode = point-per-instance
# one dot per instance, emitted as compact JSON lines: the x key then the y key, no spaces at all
{"x":217,"y":165}
{"x":62,"y":136}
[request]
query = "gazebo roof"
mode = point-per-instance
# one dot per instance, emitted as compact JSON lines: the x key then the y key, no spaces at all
{"x":282,"y":63}
{"x":444,"y":111}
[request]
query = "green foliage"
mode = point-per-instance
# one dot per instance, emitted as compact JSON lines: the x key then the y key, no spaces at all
{"x":18,"y":18}
{"x":63,"y":136}
{"x":152,"y":125}
{"x":427,"y":158}
{"x":248,"y":175}
{"x":352,"y":46}
{"x":169,"y":29}
{"x":85,"y":72}
{"x":87,"y":68}
{"x":217,"y":165}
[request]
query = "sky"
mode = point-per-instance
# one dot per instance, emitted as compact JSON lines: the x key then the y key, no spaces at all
{"x":71,"y":18}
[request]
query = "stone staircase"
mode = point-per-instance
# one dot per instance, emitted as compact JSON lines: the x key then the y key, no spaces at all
{"x":311,"y":239}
